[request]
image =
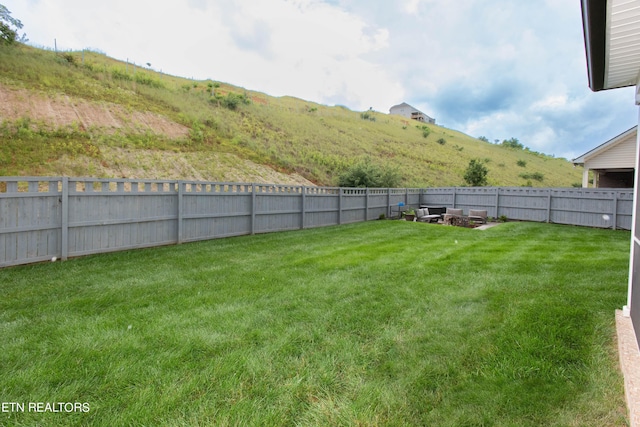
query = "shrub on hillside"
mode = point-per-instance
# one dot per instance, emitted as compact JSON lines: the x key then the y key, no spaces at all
{"x":538,"y":176}
{"x":368,"y":115}
{"x":367,"y":174}
{"x":232,"y":101}
{"x":476,"y":173}
{"x":147,"y":80}
{"x":513,"y":143}
{"x":426,"y":131}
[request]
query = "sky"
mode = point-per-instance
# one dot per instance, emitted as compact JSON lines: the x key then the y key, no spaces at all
{"x":499,"y":69}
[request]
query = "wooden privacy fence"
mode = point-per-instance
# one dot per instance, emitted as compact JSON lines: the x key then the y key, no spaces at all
{"x":42,"y":218}
{"x":590,"y":207}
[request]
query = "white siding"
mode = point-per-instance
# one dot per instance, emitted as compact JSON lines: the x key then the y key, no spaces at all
{"x":621,"y":155}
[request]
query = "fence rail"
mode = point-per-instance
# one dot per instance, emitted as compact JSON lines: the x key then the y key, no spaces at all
{"x":46,"y":217}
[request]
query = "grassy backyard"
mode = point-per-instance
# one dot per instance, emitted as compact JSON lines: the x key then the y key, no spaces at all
{"x":383,"y":323}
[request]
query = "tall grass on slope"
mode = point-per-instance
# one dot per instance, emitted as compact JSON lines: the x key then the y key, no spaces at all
{"x":287,"y":134}
{"x":382,"y":323}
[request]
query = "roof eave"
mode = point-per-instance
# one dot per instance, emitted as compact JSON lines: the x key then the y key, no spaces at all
{"x":594,"y":14}
{"x":603,"y":147}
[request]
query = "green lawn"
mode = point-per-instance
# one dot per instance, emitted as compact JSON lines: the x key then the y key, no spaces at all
{"x":384,"y":323}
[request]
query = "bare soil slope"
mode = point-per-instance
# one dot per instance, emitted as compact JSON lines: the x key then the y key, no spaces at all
{"x":64,"y":111}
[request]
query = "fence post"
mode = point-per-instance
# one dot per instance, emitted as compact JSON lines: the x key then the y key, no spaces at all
{"x":497,"y":202}
{"x":340,"y":206}
{"x":388,"y":202}
{"x":549,"y":206}
{"x":366,"y":205}
{"x":253,"y":209}
{"x":64,"y":241}
{"x":454,"y":197}
{"x":303,"y":207}
{"x":615,"y":209}
{"x":180,"y":209}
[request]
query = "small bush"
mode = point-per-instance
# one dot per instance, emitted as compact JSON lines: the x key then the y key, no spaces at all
{"x":513,"y":143}
{"x":538,"y":176}
{"x":148,"y":80}
{"x":119,"y":74}
{"x":69,"y":58}
{"x":367,"y":174}
{"x":426,"y":131}
{"x":368,"y":115}
{"x":442,"y":141}
{"x":522,"y":163}
{"x":232,"y":101}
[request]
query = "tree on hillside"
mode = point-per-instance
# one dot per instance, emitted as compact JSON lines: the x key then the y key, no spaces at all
{"x":476,"y":173}
{"x":9,"y":27}
{"x":513,"y":143}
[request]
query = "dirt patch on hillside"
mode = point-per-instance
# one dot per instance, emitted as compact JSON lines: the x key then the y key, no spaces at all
{"x":61,"y":111}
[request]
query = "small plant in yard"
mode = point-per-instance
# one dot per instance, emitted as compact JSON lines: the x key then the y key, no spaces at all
{"x":409,"y":215}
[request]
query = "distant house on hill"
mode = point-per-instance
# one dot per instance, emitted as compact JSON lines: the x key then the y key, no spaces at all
{"x":406,"y":110}
{"x":612,"y":163}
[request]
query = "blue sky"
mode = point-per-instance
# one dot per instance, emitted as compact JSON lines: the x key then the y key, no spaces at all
{"x":498,"y":69}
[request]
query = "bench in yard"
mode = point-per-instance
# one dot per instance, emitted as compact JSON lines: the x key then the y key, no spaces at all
{"x":426,"y":215}
{"x":477,"y":215}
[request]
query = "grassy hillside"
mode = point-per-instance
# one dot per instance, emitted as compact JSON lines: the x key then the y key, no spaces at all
{"x":83,"y":113}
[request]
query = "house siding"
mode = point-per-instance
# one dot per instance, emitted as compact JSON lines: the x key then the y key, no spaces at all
{"x":406,"y":110}
{"x":620,"y":156}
